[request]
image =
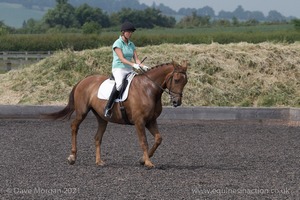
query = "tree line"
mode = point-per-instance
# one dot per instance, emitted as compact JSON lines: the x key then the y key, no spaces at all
{"x":64,"y":17}
{"x":112,"y":6}
{"x":109,"y":6}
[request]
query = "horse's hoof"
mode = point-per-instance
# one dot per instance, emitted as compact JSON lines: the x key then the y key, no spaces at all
{"x":141,"y":161}
{"x":149,"y":165}
{"x":101,"y":163}
{"x":71,"y":160}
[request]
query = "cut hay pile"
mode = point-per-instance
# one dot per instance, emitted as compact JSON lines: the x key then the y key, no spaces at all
{"x":242,"y":74}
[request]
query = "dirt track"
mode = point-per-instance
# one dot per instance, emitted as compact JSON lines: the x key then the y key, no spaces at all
{"x":197,"y":160}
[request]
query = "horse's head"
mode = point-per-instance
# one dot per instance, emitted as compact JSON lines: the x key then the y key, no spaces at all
{"x":176,"y":81}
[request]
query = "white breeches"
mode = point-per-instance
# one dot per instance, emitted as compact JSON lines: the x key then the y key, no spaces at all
{"x":119,"y":74}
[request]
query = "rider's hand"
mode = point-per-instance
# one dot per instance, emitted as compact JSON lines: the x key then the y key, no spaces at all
{"x":145,"y":68}
{"x":136,"y":66}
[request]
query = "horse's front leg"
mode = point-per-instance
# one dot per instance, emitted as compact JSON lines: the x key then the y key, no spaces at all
{"x":140,"y":128}
{"x":153,"y":128}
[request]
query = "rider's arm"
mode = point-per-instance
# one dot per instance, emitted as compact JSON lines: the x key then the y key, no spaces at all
{"x":136,"y":59}
{"x":121,"y":57}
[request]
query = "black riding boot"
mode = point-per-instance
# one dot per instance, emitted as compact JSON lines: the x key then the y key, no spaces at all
{"x":114,"y":94}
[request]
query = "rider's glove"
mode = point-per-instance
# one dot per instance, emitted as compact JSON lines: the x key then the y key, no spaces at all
{"x":145,"y":68}
{"x":136,"y":66}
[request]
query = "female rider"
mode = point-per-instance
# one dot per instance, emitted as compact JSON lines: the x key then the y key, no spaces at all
{"x":125,"y":58}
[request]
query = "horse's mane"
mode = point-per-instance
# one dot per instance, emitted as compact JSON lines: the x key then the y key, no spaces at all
{"x":164,"y":64}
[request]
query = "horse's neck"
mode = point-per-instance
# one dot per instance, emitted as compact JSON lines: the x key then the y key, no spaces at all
{"x":159,"y":74}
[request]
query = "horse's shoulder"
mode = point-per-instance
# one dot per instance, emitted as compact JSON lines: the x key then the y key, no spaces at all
{"x":136,"y":79}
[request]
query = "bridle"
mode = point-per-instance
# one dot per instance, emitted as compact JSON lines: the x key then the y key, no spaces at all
{"x":167,"y":90}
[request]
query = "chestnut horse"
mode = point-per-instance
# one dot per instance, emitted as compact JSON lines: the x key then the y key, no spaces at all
{"x":143,"y":106}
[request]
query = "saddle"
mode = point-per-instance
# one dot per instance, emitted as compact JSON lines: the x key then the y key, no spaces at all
{"x":106,"y":88}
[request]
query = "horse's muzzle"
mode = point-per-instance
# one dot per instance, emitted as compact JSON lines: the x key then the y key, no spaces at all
{"x":176,"y":102}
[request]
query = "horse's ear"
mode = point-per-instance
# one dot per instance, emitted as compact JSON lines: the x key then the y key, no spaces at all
{"x":174,"y":63}
{"x":184,"y":64}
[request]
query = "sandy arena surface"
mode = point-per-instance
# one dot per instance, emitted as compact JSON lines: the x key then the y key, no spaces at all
{"x":197,"y":160}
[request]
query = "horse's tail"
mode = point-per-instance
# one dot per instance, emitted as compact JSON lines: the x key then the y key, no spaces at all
{"x":65,"y":113}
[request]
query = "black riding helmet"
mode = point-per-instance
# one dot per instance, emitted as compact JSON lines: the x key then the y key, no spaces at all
{"x":128,"y":26}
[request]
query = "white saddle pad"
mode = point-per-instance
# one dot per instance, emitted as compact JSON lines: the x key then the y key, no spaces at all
{"x":106,"y":87}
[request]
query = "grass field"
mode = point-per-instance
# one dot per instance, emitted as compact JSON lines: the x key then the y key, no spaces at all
{"x":240,"y":74}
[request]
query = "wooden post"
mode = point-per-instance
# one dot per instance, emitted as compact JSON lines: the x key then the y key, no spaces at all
{"x":4,"y":55}
{"x":8,"y":66}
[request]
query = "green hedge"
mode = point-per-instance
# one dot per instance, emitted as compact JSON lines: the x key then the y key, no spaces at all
{"x":53,"y":42}
{"x":48,"y":42}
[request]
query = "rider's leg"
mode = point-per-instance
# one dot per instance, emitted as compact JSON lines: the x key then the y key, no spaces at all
{"x":119,"y":74}
{"x":114,"y":94}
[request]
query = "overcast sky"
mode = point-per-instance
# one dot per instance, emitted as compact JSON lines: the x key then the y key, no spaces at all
{"x":285,"y":7}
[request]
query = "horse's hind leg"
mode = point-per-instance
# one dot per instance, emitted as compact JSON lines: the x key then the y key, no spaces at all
{"x":75,"y":126}
{"x":102,"y":124}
